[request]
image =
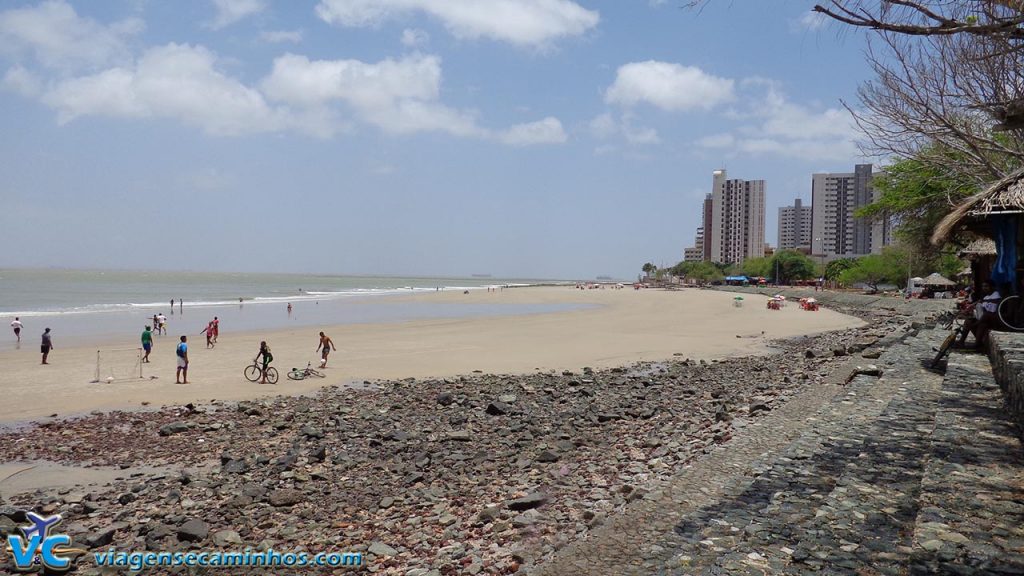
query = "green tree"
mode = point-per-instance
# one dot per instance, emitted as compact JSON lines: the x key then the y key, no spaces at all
{"x":699,"y":271}
{"x":756,"y":267}
{"x":870,"y":270}
{"x":836,"y":267}
{"x":648,"y":269}
{"x":791,"y":265}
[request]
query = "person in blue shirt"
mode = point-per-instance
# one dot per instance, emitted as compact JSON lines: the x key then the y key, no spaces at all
{"x":181,"y":376}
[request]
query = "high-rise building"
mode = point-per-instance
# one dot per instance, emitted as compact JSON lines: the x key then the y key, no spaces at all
{"x":836,"y":232}
{"x":794,"y":227}
{"x":707,"y":228}
{"x":737,"y":221}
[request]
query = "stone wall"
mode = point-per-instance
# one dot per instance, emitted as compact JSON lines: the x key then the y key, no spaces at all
{"x":1006,"y":351}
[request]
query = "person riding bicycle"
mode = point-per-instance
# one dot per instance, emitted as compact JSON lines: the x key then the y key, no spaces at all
{"x":985,"y":316}
{"x":267,"y":359}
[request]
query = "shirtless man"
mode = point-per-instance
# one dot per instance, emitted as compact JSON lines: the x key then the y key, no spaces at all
{"x":327,"y":346}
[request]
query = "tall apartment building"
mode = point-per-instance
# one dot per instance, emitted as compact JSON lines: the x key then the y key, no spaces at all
{"x":835,"y":231}
{"x":737,"y":219}
{"x":707,"y":228}
{"x":794,"y":227}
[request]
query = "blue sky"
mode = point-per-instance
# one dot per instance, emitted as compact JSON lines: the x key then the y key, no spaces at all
{"x":521,"y":138}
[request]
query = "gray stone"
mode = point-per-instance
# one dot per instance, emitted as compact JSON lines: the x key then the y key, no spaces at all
{"x":532,"y":500}
{"x":193,"y":530}
{"x":381,"y":549}
{"x":174,"y":428}
{"x":286,"y":497}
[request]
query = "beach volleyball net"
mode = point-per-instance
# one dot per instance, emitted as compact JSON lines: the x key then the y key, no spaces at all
{"x":118,"y":365}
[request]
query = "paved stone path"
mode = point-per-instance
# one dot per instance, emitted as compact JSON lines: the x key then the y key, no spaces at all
{"x":886,"y":477}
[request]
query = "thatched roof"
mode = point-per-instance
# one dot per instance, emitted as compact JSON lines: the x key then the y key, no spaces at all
{"x":936,"y":279}
{"x":980,"y":247}
{"x":1005,"y":196}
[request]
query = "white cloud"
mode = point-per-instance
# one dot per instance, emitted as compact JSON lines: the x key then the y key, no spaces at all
{"x":725,"y":140}
{"x":231,"y":11}
{"x":54,"y":34}
{"x":172,"y":81}
{"x":281,"y":36}
{"x":19,"y":80}
{"x":812,"y":21}
{"x":606,"y":126}
{"x":520,"y":22}
{"x":546,"y":131}
{"x":773,"y":125}
{"x":414,"y":37}
{"x":668,"y":86}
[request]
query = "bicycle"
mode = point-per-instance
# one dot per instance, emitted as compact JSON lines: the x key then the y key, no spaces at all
{"x":1011,"y":313}
{"x":956,"y":323}
{"x":302,"y":374}
{"x":254,"y":372}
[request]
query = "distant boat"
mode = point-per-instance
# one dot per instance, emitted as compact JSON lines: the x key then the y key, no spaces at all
{"x":481,"y":275}
{"x":605,"y":278}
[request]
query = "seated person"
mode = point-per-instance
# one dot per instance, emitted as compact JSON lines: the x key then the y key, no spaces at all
{"x":986,"y":315}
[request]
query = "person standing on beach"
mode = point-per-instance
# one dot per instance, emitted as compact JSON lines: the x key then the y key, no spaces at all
{"x":172,"y":305}
{"x":267,"y":359}
{"x":289,"y":308}
{"x":156,"y":324}
{"x":209,"y":334}
{"x":162,"y":323}
{"x":17,"y":325}
{"x":181,"y":376}
{"x":181,"y":305}
{"x":327,"y":345}
{"x":46,"y":345}
{"x":147,"y":343}
{"x":216,"y":329}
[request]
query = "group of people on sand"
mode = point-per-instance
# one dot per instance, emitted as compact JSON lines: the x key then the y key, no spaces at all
{"x":212,"y":330}
{"x":45,"y":345}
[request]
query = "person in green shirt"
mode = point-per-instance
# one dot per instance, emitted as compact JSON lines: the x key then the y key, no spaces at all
{"x":147,"y":343}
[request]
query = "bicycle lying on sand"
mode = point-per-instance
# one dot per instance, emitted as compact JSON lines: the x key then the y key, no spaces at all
{"x":303,"y":373}
{"x":254,"y":372}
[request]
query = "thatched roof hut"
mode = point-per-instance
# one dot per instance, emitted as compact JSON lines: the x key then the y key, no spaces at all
{"x":936,"y":279}
{"x":978,"y":248}
{"x":1004,"y":197}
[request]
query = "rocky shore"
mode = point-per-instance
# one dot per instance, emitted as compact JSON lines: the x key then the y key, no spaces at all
{"x":481,"y":474}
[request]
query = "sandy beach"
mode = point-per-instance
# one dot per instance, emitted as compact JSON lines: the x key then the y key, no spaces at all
{"x":621,"y":327}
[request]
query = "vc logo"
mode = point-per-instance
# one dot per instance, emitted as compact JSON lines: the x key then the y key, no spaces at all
{"x":39,"y":548}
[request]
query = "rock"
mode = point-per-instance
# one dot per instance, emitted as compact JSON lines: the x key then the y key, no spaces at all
{"x":397,"y":435}
{"x":318,"y":454}
{"x":840,"y":351}
{"x":809,"y":353}
{"x":547,"y":456}
{"x":489,"y":514}
{"x":507,"y":398}
{"x":286,"y":497}
{"x":872,"y":353}
{"x":532,"y":500}
{"x":386,"y":502}
{"x":193,"y":531}
{"x":381,"y":549}
{"x":235,"y":467}
{"x":460,"y":435}
{"x":174,"y":428}
{"x":498,"y":408}
{"x":445,"y":399}
{"x":311,"y":432}
{"x":759,"y":407}
{"x":869,"y":370}
{"x":222,"y":538}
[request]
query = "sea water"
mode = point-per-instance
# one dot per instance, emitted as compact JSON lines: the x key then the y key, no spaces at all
{"x":90,"y":305}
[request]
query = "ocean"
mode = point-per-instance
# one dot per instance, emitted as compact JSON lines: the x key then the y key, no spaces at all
{"x":90,"y":304}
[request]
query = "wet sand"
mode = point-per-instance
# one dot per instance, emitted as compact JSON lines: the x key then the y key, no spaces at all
{"x":617,"y":328}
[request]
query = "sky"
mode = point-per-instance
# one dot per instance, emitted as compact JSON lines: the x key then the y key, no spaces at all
{"x":519,"y":138}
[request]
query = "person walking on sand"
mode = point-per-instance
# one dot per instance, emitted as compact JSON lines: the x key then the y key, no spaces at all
{"x":181,"y":376}
{"x":216,"y":329}
{"x":172,"y":305}
{"x":289,"y":308}
{"x":156,"y":324}
{"x":209,"y":334}
{"x":147,"y":343}
{"x":267,"y":359}
{"x":181,"y":305}
{"x":327,"y":345}
{"x":17,"y":325}
{"x":162,"y":323}
{"x":46,"y":345}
